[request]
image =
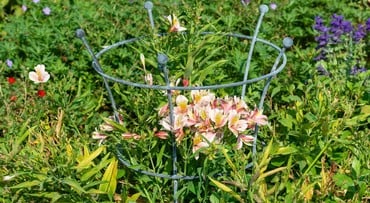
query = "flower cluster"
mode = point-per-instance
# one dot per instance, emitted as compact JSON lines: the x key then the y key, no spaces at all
{"x":40,"y":75}
{"x":341,"y":42}
{"x":207,"y":118}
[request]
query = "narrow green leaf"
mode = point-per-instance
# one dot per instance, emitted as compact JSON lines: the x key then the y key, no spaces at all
{"x":264,"y":175}
{"x":75,"y":185}
{"x":133,"y":198}
{"x":226,"y":189}
{"x":103,"y":163}
{"x":264,"y":161}
{"x":27,"y":184}
{"x":95,"y":191}
{"x":310,"y":117}
{"x":275,"y":91}
{"x":87,"y":160}
{"x":221,"y":185}
{"x":228,"y":160}
{"x":356,"y":165}
{"x":54,"y":196}
{"x":286,"y":150}
{"x":110,"y":179}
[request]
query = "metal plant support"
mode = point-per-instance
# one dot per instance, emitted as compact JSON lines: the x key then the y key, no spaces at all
{"x":162,"y":60}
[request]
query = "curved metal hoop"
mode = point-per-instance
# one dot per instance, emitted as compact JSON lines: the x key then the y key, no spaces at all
{"x":97,"y":67}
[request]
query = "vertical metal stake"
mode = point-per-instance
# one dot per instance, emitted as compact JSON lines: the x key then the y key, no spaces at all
{"x":149,"y":7}
{"x":162,"y":61}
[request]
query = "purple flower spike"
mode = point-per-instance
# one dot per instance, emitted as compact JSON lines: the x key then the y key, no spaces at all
{"x":319,"y":25}
{"x":347,"y":26}
{"x":356,"y":70}
{"x":359,"y":34}
{"x":339,"y":26}
{"x":368,"y":25}
{"x":323,"y":40}
{"x":46,"y":11}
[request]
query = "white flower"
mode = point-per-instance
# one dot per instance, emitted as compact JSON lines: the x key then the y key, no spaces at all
{"x":175,"y":24}
{"x":39,"y":75}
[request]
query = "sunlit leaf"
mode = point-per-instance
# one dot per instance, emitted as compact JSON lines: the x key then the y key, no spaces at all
{"x":75,"y":185}
{"x":110,"y":178}
{"x":88,"y":160}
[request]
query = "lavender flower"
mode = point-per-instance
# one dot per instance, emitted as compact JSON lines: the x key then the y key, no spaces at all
{"x":36,"y":1}
{"x":322,"y":40}
{"x":9,"y":63}
{"x":273,"y":6}
{"x":46,"y":11}
{"x":339,"y":26}
{"x":322,"y":71}
{"x":329,"y":42}
{"x":368,"y":25}
{"x":356,"y":70}
{"x":319,"y":25}
{"x":24,"y":8}
{"x":321,"y":56}
{"x":360,"y":33}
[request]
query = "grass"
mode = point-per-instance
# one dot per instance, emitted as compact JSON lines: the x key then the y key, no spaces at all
{"x":315,"y":147}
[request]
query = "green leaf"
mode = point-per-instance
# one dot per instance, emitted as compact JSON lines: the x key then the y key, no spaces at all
{"x":133,"y":198}
{"x":214,"y":199}
{"x":21,"y":137}
{"x":221,"y":185}
{"x":226,"y":189}
{"x":287,"y":122}
{"x":291,"y":98}
{"x":103,"y":163}
{"x":27,"y":184}
{"x":365,"y":110}
{"x":75,"y":185}
{"x":54,"y":196}
{"x":286,"y":150}
{"x":191,"y":187}
{"x":310,"y":117}
{"x":228,"y":160}
{"x":95,"y":191}
{"x":110,"y":178}
{"x":275,"y":91}
{"x":343,"y":181}
{"x":356,"y":165}
{"x":88,"y":160}
{"x":202,"y":74}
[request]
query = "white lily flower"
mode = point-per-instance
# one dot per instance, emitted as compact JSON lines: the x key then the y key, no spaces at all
{"x":39,"y":75}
